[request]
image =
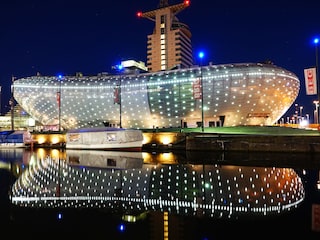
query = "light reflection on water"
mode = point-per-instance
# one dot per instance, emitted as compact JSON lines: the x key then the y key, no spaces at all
{"x":139,"y":185}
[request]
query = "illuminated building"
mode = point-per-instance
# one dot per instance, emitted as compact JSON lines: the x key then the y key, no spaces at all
{"x":231,"y":94}
{"x":234,"y":94}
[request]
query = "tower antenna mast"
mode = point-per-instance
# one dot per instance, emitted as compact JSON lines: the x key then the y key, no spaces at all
{"x":163,"y":3}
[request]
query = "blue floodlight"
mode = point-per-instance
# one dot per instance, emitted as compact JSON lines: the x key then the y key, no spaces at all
{"x":119,"y":67}
{"x":60,"y":76}
{"x":201,"y":55}
{"x":316,"y":41}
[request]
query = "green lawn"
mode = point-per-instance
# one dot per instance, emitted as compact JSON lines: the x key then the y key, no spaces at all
{"x":268,"y":130}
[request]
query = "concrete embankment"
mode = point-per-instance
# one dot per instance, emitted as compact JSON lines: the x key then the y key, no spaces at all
{"x":232,"y":142}
{"x":197,"y":141}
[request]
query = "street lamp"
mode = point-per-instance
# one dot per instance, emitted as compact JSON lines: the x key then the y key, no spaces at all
{"x":301,"y":107}
{"x":316,"y":104}
{"x":201,"y":55}
{"x":120,"y":104}
{"x":59,"y":101}
{"x":11,"y":103}
{"x":316,"y":41}
{"x":118,"y":96}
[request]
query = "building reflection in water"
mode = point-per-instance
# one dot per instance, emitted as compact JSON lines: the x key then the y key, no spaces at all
{"x":134,"y":183}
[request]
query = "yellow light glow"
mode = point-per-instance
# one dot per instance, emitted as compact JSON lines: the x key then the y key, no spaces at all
{"x":165,"y":139}
{"x":41,"y":139}
{"x":55,"y":139}
{"x":146,"y":139}
{"x":167,"y":157}
{"x":55,"y":154}
{"x":41,"y":153}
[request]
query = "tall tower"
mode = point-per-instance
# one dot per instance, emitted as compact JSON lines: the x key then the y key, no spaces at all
{"x":169,"y":45}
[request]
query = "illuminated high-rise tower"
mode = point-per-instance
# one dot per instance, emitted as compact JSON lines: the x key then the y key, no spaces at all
{"x":169,"y":45}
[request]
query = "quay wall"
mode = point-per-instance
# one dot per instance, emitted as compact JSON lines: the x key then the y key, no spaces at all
{"x":208,"y":142}
{"x":235,"y":142}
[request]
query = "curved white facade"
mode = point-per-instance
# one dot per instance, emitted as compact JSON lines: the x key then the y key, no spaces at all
{"x":233,"y":94}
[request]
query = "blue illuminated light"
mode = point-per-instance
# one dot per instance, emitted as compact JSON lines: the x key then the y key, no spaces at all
{"x":119,"y":67}
{"x":316,"y":41}
{"x":59,"y":216}
{"x":201,"y":55}
{"x":121,"y":227}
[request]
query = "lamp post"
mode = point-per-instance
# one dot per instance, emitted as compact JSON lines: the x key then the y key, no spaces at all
{"x":316,"y":105}
{"x":59,"y":101}
{"x":11,"y":103}
{"x":120,"y":69}
{"x":201,"y":55}
{"x":316,"y":41}
{"x":120,"y":104}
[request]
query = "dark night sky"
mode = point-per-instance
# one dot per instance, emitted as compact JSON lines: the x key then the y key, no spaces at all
{"x":53,"y":37}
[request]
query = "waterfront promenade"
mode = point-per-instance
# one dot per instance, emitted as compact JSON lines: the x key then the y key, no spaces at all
{"x":241,"y":138}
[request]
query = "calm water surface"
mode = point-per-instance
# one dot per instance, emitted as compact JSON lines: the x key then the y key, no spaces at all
{"x":156,"y":195}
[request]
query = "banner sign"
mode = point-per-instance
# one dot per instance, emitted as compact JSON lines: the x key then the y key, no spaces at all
{"x":59,"y":99}
{"x":197,"y":89}
{"x":310,"y":76}
{"x":116,"y":96}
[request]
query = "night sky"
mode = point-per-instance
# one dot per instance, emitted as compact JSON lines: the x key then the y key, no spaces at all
{"x":65,"y":37}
